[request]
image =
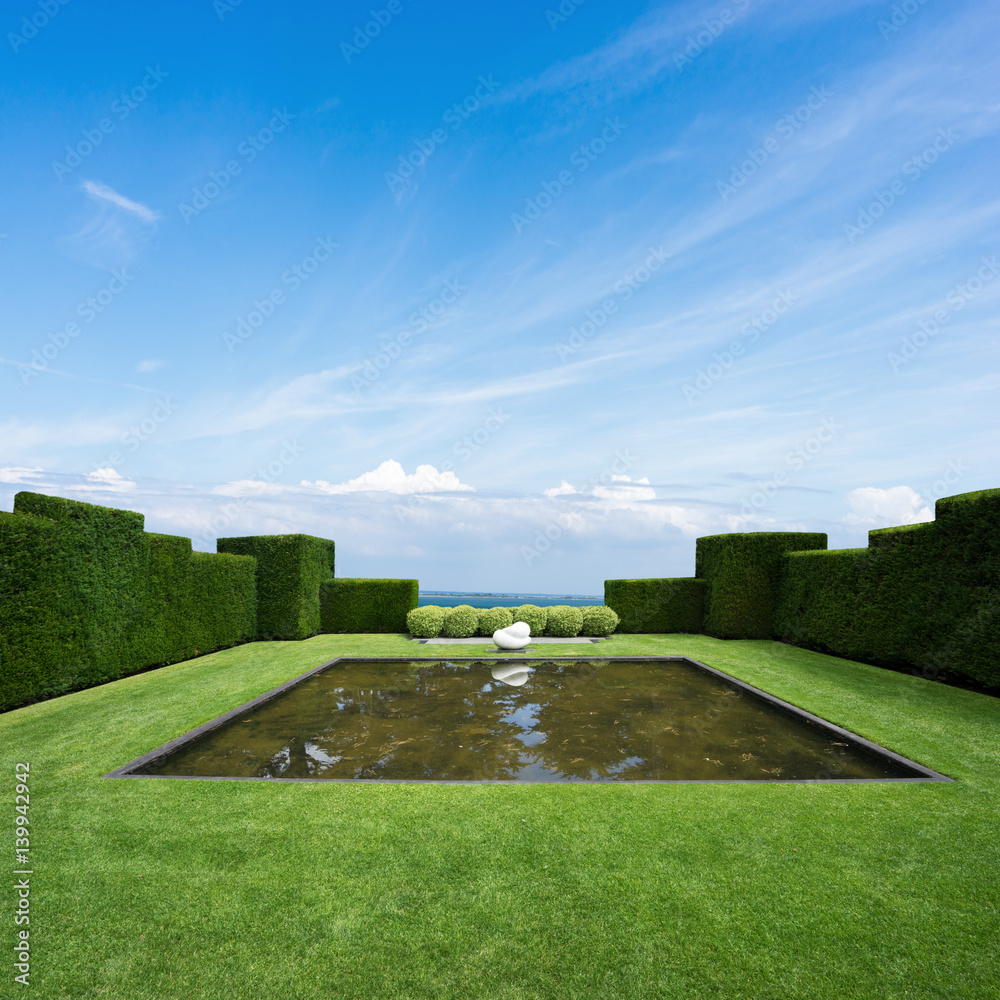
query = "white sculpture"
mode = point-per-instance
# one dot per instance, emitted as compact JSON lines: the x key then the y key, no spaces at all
{"x":514,"y":636}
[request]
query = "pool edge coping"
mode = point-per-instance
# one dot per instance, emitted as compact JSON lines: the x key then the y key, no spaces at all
{"x":925,"y":773}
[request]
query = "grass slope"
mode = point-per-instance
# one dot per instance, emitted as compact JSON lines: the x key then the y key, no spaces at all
{"x":165,"y":889}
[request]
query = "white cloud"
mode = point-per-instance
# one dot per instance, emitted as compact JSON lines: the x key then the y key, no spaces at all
{"x":630,"y":61}
{"x":638,"y":489}
{"x":114,"y":232}
{"x":252,"y":488}
{"x":101,"y":192}
{"x":106,"y":475}
{"x":631,"y":493}
{"x":149,"y":365}
{"x":560,"y":490}
{"x":107,"y":479}
{"x":18,"y":474}
{"x":566,"y":543}
{"x":886,"y":508}
{"x":390,"y":477}
{"x":303,"y":397}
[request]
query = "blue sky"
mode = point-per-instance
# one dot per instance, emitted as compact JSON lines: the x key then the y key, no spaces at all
{"x":519,"y":296}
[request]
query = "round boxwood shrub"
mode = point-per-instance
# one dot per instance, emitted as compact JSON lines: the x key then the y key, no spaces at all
{"x":599,"y":620}
{"x":460,"y":622}
{"x":425,"y":622}
{"x":564,"y":620}
{"x":532,"y":616}
{"x":490,"y":619}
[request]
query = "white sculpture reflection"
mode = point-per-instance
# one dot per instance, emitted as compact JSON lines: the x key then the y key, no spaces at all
{"x":514,"y":636}
{"x":514,"y":674}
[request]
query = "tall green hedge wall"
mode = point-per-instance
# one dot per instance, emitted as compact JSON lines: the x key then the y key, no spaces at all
{"x":657,"y":605}
{"x":198,"y":601}
{"x":87,"y":596}
{"x":169,"y":565}
{"x":924,"y":597}
{"x":743,"y":575}
{"x":226,"y":586}
{"x":366,"y":605}
{"x":290,"y":569}
{"x":74,"y":596}
{"x":833,"y":582}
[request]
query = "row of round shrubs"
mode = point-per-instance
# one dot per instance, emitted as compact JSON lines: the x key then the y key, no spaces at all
{"x":464,"y":621}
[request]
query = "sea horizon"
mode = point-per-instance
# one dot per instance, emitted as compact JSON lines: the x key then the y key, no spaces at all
{"x":503,"y":593}
{"x":483,"y":599}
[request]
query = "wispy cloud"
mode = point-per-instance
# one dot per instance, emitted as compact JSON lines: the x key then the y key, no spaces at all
{"x":81,"y":378}
{"x":483,"y":383}
{"x":113,"y":231}
{"x":106,"y":480}
{"x":22,"y":474}
{"x":632,"y":59}
{"x":101,"y":192}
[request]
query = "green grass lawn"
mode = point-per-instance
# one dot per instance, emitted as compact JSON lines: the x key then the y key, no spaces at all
{"x":162,"y":889}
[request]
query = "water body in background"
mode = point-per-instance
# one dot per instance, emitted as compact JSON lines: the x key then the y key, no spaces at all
{"x":445,"y":599}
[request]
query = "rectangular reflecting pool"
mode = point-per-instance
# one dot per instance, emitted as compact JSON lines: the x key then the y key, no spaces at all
{"x":541,"y":720}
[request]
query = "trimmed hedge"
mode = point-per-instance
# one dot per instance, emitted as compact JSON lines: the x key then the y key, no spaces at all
{"x":169,"y":610}
{"x":197,"y":602}
{"x":533,"y":616}
{"x":46,"y":645}
{"x":823,"y":601}
{"x":661,"y":606}
{"x":564,"y":620}
{"x":460,"y":622}
{"x":425,"y":622}
{"x":290,"y":569}
{"x":366,"y":605}
{"x":222,"y":595}
{"x":922,"y":597}
{"x":598,"y":620}
{"x":464,"y":621}
{"x":87,"y":596}
{"x":109,"y":565}
{"x":743,"y":578}
{"x":491,"y":619}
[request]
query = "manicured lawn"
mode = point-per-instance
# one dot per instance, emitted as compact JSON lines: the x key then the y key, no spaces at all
{"x":165,"y":889}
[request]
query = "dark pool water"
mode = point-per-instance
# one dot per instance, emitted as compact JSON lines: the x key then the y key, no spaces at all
{"x":558,"y":721}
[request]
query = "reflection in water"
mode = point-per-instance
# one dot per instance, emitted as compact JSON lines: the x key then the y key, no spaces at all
{"x":587,"y":720}
{"x":513,"y":674}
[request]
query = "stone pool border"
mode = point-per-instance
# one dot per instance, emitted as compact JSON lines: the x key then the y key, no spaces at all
{"x":924,"y":773}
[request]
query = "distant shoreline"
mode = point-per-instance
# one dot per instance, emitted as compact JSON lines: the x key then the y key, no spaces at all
{"x":465,"y":593}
